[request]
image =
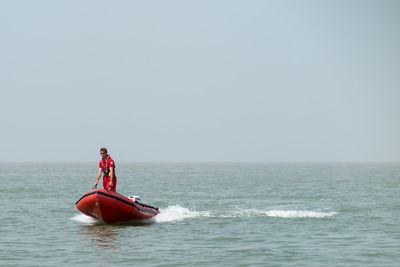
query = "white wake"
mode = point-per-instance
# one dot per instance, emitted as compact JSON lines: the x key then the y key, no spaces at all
{"x":299,"y":214}
{"x":177,"y":213}
{"x":281,"y":213}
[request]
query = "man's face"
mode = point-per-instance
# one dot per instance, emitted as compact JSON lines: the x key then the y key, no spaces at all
{"x":103,"y":154}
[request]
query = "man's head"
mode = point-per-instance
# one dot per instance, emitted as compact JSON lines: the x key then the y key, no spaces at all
{"x":103,"y":152}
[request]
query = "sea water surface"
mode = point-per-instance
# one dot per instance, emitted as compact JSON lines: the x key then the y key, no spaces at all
{"x":212,"y":214}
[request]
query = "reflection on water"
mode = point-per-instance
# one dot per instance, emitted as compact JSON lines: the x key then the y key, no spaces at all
{"x":105,"y":235}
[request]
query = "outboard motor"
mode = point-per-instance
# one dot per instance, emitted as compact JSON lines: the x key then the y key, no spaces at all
{"x":134,"y":198}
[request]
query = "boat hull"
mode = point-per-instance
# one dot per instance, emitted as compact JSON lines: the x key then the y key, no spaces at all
{"x":112,"y":207}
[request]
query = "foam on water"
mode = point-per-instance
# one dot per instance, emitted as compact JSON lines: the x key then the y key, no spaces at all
{"x":282,"y":213}
{"x":177,"y":213}
{"x":298,"y":214}
{"x":82,"y":218}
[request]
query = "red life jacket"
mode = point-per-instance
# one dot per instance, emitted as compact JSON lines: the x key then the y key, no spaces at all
{"x":105,"y":166}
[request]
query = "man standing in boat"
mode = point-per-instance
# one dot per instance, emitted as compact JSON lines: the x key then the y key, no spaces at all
{"x":107,"y":167}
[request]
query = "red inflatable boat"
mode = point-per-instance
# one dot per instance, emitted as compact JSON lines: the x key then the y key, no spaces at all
{"x":112,"y":207}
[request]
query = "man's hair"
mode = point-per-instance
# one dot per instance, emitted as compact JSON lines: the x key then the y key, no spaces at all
{"x":103,"y":149}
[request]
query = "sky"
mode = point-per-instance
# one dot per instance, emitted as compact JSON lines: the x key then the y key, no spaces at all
{"x":264,"y":81}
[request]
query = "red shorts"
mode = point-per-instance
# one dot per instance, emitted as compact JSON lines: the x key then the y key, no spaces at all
{"x":106,"y":183}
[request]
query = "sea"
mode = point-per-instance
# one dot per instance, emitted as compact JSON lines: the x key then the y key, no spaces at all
{"x":212,"y":214}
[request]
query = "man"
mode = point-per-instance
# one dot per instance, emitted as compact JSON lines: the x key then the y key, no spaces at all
{"x":107,"y":167}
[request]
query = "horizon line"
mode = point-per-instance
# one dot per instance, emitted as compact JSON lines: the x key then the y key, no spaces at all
{"x":204,"y":161}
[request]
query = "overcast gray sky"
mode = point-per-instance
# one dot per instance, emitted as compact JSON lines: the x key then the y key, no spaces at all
{"x":200,"y":80}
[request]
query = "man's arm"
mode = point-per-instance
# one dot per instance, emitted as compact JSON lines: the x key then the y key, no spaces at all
{"x":112,"y":176}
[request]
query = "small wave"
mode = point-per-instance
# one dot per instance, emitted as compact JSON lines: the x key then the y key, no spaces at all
{"x":82,"y":218}
{"x":280,"y":213}
{"x":177,"y":213}
{"x":295,"y":213}
{"x":299,"y":214}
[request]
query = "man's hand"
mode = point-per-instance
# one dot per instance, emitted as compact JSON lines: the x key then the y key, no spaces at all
{"x":95,"y":185}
